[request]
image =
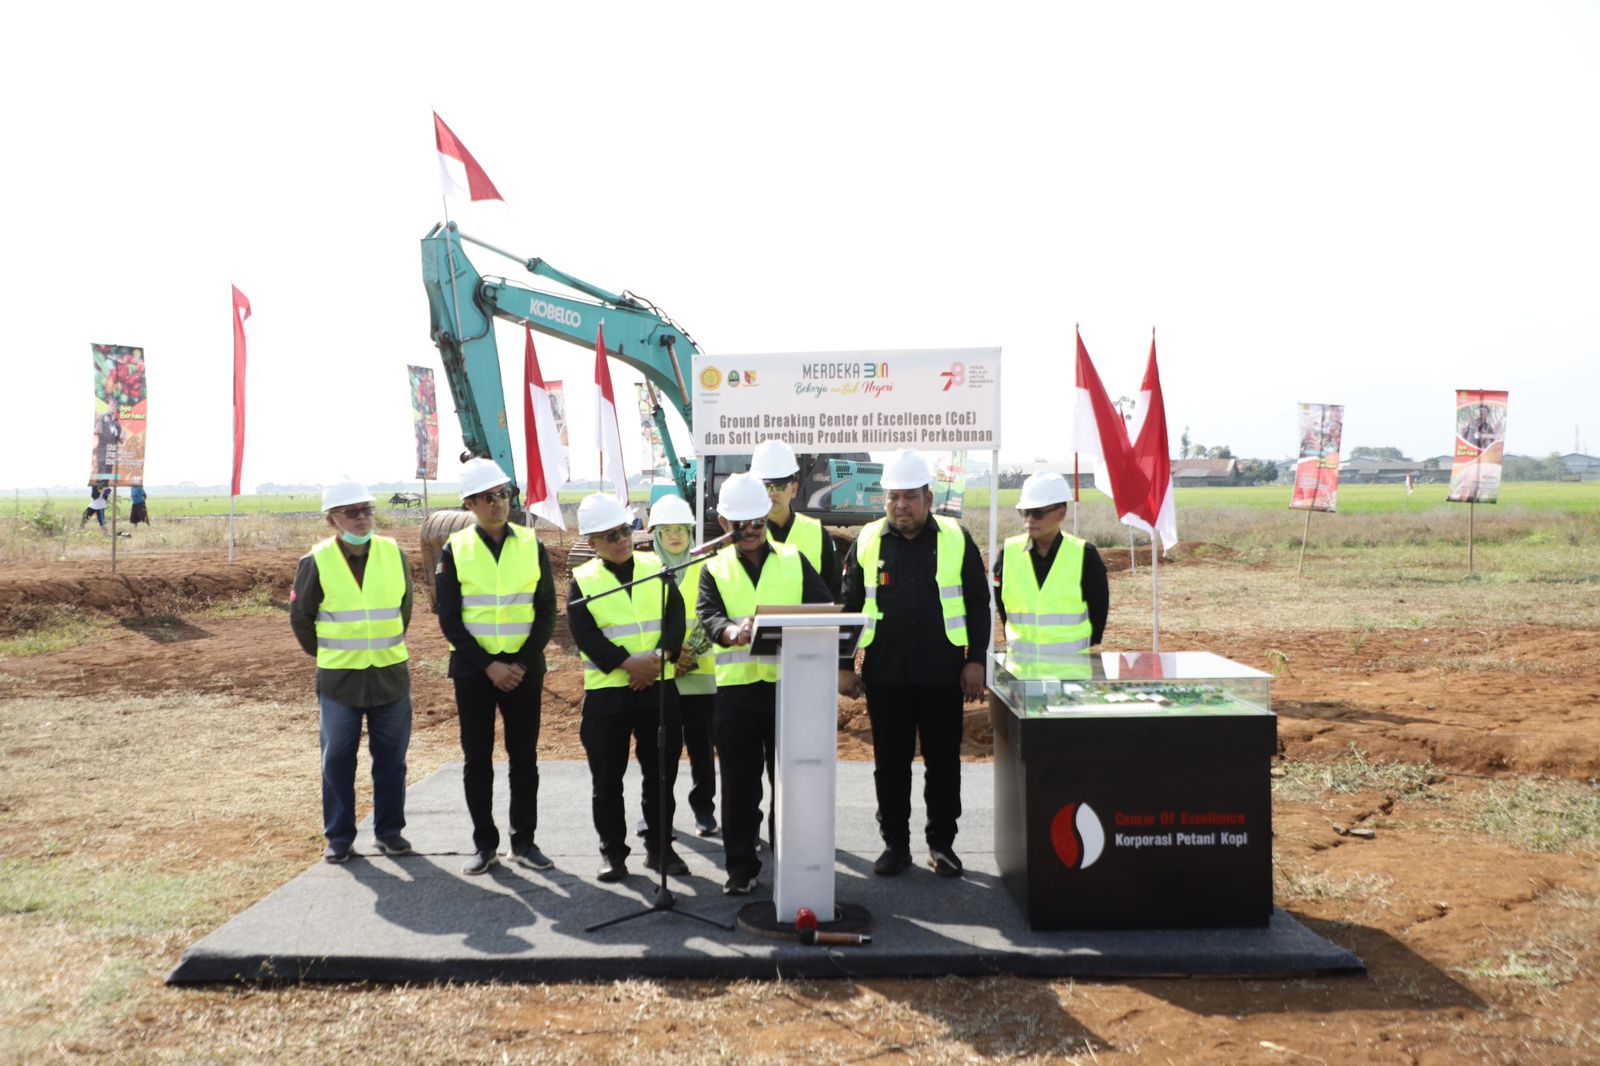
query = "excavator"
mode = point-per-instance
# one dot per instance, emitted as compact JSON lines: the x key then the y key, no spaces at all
{"x":839,"y":490}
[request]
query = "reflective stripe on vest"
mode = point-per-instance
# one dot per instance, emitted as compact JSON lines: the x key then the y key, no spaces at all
{"x":949,"y":554}
{"x":497,"y":594}
{"x":1051,"y":623}
{"x":782,"y":583}
{"x":631,"y":620}
{"x":805,"y":536}
{"x":359,"y":626}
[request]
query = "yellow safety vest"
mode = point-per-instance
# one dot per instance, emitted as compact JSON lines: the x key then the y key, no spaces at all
{"x":783,"y":580}
{"x":497,"y":594}
{"x":1049,"y":625}
{"x":705,"y":665}
{"x":631,"y":619}
{"x":359,"y":626}
{"x":950,"y":551}
{"x":805,"y":535}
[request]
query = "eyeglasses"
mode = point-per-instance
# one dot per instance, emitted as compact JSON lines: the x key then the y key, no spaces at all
{"x":1040,"y":512}
{"x":742,"y":525}
{"x":495,"y":495}
{"x":611,"y":536}
{"x":357,"y":512}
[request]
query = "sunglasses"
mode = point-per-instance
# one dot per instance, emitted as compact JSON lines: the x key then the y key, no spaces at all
{"x":744,"y":524}
{"x":777,"y":484}
{"x":1040,"y":512}
{"x":611,"y":536}
{"x":357,"y":512}
{"x":495,"y":495}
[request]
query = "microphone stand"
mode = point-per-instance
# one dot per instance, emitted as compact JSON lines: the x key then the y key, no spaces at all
{"x":661,"y":897}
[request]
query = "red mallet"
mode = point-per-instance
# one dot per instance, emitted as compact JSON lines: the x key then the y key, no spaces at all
{"x":804,"y":918}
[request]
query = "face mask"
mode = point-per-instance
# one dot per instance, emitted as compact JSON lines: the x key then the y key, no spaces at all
{"x":353,"y":539}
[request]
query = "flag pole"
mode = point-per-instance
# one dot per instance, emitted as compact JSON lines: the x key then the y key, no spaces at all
{"x":230,"y":523}
{"x":1304,"y":534}
{"x":1133,"y":558}
{"x":1074,"y":494}
{"x":1155,"y":596}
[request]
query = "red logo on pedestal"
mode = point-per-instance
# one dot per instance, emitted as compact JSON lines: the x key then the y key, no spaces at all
{"x":1077,"y":835}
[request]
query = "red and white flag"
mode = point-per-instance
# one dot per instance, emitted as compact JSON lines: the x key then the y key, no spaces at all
{"x":1099,"y":434}
{"x":241,"y":311}
{"x":464,"y":179}
{"x":546,"y":462}
{"x":608,"y":431}
{"x":1152,"y":512}
{"x":1410,"y":486}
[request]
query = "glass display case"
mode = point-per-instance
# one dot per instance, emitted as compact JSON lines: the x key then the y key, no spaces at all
{"x":1116,"y":683}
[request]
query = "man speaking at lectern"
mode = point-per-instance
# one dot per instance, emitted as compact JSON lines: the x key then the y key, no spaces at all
{"x":919,"y":579}
{"x":750,"y":572}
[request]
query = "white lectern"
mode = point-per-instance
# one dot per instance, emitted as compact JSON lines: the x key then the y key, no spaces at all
{"x":809,"y":643}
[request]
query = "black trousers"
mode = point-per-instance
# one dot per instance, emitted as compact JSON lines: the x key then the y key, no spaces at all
{"x":902,"y":715}
{"x":745,"y":724}
{"x":606,"y":737}
{"x":698,"y":740}
{"x":476,"y":701}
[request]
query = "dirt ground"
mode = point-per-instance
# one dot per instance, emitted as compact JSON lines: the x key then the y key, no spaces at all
{"x":1478,"y":950}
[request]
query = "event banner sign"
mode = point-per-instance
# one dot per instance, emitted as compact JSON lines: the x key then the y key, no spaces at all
{"x":1480,"y":446}
{"x":822,"y":402}
{"x":655,"y":453}
{"x":120,"y":414}
{"x":1316,"y":474}
{"x":558,"y":408}
{"x":425,"y":421}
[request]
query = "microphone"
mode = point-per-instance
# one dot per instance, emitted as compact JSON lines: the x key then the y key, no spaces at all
{"x":816,"y":936}
{"x":710,"y":545}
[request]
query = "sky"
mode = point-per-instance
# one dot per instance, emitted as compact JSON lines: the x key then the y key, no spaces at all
{"x":1367,"y":204}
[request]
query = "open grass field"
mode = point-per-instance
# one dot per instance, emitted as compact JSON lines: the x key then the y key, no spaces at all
{"x":158,"y":773}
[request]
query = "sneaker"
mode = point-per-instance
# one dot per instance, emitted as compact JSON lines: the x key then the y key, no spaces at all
{"x":531,"y":857}
{"x":740,"y":885}
{"x":336,"y":853}
{"x":612,"y":870}
{"x":395,"y":845}
{"x":892,"y":861}
{"x":480,"y":863}
{"x":676,"y":867}
{"x":945,"y":862}
{"x":705,"y":825}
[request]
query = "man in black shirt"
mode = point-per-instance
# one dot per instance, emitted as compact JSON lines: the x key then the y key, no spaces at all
{"x":919,"y":578}
{"x":1043,"y":506}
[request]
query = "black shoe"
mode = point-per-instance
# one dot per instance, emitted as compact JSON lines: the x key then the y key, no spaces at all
{"x":945,"y":862}
{"x":705,"y":825}
{"x":892,"y":861}
{"x":336,"y":853}
{"x":740,"y":885}
{"x":395,"y":845}
{"x":531,"y":857}
{"x":676,"y":867}
{"x":612,"y":870}
{"x":480,"y":863}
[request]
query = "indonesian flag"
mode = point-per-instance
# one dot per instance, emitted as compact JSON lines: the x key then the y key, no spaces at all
{"x":241,"y":311}
{"x":464,"y":179}
{"x":608,"y":431}
{"x":1152,"y":512}
{"x":1410,"y":486}
{"x":547,"y":464}
{"x":1099,"y":434}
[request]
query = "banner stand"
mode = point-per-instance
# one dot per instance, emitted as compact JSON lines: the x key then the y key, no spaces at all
{"x":113,"y":505}
{"x":1304,"y":535}
{"x":1472,"y":511}
{"x":425,"y":500}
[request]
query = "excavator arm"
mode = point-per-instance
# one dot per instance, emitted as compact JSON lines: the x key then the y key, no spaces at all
{"x":462,"y":305}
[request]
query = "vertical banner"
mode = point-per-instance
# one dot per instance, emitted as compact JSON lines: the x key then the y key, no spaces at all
{"x":120,"y":412}
{"x":1480,"y":448}
{"x":425,"y":421}
{"x":558,"y":407}
{"x":1316,"y":474}
{"x":655,"y":454}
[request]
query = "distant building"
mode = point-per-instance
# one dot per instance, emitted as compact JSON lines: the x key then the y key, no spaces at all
{"x":1586,"y":467}
{"x":1391,"y":472}
{"x":1200,"y":472}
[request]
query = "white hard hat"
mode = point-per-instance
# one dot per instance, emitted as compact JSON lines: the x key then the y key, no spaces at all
{"x":599,"y":512}
{"x":343,"y":494}
{"x":1042,"y":489}
{"x":481,"y":475}
{"x":773,"y":459}
{"x":671,"y":511}
{"x":743,"y":497}
{"x":907,"y":470}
